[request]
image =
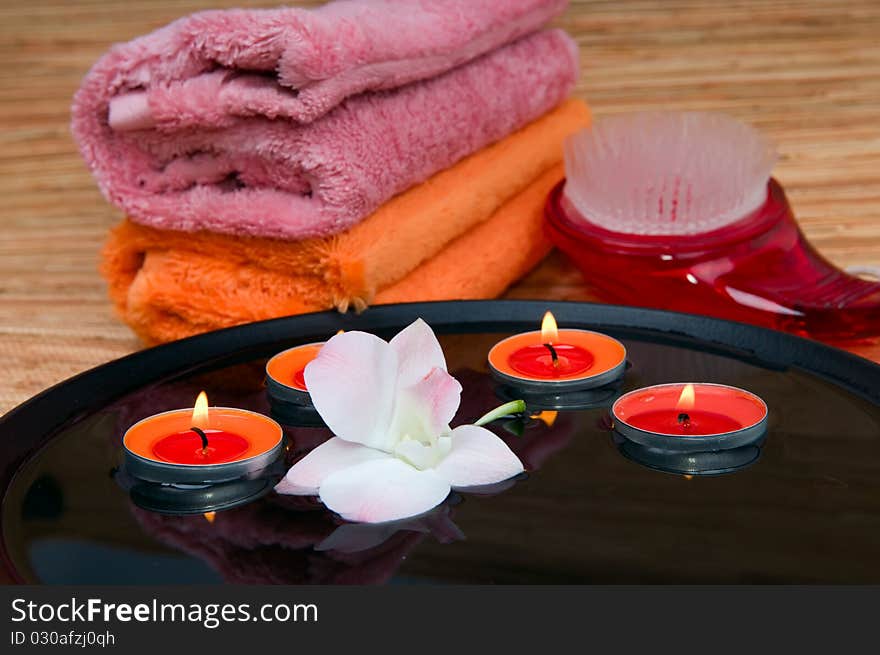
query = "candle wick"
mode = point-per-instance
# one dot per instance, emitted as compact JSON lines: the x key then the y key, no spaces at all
{"x":553,"y":354}
{"x":204,"y":437}
{"x":684,"y":419}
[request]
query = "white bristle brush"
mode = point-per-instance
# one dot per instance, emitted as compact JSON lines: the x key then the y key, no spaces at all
{"x":667,"y":173}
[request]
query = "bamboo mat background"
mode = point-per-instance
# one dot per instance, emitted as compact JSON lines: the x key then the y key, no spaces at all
{"x":805,"y":71}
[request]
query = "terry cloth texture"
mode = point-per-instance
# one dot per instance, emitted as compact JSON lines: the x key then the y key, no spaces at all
{"x":178,"y":293}
{"x":261,"y":175}
{"x":213,"y":66}
{"x":468,"y":232}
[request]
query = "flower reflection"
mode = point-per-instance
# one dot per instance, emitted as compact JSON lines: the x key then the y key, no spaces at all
{"x":275,"y":541}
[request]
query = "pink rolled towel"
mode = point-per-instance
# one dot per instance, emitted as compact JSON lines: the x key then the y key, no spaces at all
{"x":278,"y":178}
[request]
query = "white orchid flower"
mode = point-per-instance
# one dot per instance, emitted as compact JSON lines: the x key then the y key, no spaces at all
{"x":394,"y":454}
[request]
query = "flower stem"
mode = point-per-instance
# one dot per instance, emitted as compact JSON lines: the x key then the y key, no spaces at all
{"x":513,"y":407}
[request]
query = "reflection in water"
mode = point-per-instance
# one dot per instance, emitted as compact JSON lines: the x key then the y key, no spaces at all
{"x":690,"y":463}
{"x":279,"y":540}
{"x":198,"y":499}
{"x":295,"y":540}
{"x":295,"y":415}
{"x":571,"y":401}
{"x":358,"y":537}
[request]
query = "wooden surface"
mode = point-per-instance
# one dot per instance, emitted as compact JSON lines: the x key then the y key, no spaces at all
{"x":805,"y":71}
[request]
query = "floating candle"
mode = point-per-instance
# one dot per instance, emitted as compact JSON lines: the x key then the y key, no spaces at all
{"x":201,"y":446}
{"x":554,"y":360}
{"x":693,"y":416}
{"x":285,"y":373}
{"x":289,"y":366}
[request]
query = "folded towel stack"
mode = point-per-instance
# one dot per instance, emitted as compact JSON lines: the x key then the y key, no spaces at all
{"x":281,"y":161}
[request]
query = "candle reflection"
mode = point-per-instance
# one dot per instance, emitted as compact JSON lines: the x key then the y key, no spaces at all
{"x":690,"y":464}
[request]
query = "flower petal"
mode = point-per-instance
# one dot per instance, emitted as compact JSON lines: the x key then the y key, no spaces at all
{"x":424,"y":410}
{"x":352,"y":383}
{"x":418,"y":351}
{"x":478,"y":457}
{"x":440,"y":395}
{"x":305,"y":477}
{"x":382,"y":490}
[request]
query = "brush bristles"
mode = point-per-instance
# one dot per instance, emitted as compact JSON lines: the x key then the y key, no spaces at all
{"x":675,"y":173}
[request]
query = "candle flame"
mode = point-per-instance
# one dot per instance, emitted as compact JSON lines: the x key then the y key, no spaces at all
{"x":549,"y":333}
{"x":688,"y":477}
{"x":340,"y":331}
{"x":548,"y":416}
{"x":687,"y":397}
{"x":210,"y":516}
{"x":200,"y":412}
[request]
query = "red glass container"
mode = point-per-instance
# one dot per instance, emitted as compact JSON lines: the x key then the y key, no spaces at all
{"x":759,"y":270}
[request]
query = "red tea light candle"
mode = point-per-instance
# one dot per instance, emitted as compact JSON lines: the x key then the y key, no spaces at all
{"x":692,"y":416}
{"x":203,"y":445}
{"x":285,"y":374}
{"x":557,"y":361}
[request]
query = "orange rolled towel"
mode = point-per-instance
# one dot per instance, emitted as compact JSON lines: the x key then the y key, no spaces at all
{"x":467,"y":232}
